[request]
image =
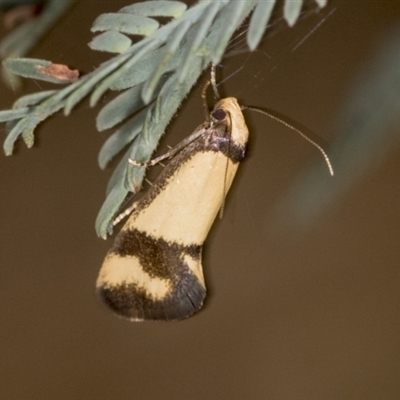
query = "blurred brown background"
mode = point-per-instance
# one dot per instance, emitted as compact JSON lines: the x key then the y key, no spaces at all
{"x":295,"y":311}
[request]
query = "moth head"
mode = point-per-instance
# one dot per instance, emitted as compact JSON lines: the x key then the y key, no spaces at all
{"x":227,"y":111}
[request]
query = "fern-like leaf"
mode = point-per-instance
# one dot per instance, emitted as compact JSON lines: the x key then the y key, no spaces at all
{"x":157,"y":73}
{"x":23,"y":38}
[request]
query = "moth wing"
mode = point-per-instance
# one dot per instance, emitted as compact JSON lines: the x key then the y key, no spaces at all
{"x":143,"y":278}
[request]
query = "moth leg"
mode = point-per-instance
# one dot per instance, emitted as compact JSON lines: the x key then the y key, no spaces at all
{"x":170,"y":153}
{"x":124,"y":214}
{"x":154,"y":161}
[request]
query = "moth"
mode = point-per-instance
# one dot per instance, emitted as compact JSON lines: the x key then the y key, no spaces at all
{"x":154,"y":271}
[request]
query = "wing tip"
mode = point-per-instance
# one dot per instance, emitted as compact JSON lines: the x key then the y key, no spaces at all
{"x":128,"y":301}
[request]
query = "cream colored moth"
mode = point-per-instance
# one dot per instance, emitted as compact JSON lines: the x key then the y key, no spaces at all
{"x":154,"y":271}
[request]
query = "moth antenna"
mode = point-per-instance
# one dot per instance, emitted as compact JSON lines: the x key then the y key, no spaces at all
{"x":204,"y":100}
{"x":221,"y":211}
{"x":224,"y":192}
{"x":327,"y":160}
{"x":217,"y":96}
{"x":214,"y":81}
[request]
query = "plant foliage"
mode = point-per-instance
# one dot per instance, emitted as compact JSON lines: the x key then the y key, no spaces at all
{"x":24,"y":37}
{"x":155,"y":74}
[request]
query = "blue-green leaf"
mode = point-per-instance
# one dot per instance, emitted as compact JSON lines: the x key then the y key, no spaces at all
{"x":126,"y":23}
{"x":109,"y":208}
{"x":121,"y":138}
{"x":28,"y":137}
{"x":156,"y":9}
{"x":198,"y":37}
{"x":291,"y":11}
{"x":111,"y":41}
{"x":227,"y":22}
{"x":120,"y":108}
{"x":170,"y":51}
{"x":9,"y":115}
{"x":41,"y":69}
{"x":131,"y":60}
{"x":13,"y":136}
{"x":142,"y":69}
{"x":258,"y":23}
{"x":322,"y":3}
{"x":27,"y":125}
{"x":86,"y":84}
{"x":32,"y":99}
{"x":138,"y":72}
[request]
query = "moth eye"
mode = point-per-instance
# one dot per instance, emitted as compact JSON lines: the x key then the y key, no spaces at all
{"x":219,"y":114}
